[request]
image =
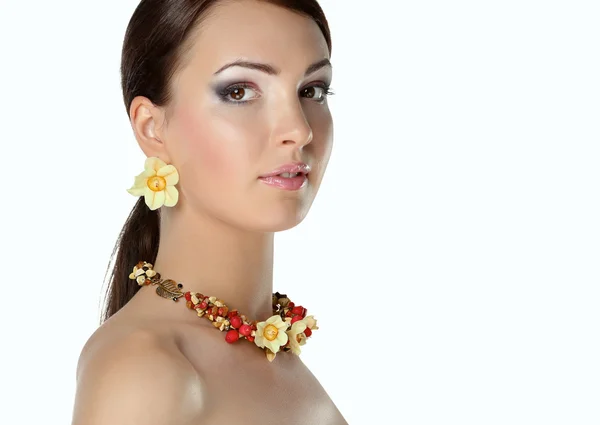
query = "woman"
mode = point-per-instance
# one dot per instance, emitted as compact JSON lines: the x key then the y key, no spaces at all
{"x":225,"y":98}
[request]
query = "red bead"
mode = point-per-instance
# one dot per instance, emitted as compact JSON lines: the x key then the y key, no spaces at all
{"x":307,"y":332}
{"x":296,"y":318}
{"x":236,"y":321}
{"x":246,"y":330}
{"x":231,"y":336}
{"x":288,"y":314}
{"x":299,"y":310}
{"x":220,"y":311}
{"x":203,"y":305}
{"x":188,"y":296}
{"x":232,"y":313}
{"x":291,"y":305}
{"x":250,"y":338}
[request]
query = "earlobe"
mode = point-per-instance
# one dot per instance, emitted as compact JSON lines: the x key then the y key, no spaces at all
{"x":145,"y":120}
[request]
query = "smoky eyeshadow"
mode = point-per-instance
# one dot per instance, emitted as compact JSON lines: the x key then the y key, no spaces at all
{"x":220,"y":89}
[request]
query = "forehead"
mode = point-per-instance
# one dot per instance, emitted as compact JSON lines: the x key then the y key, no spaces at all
{"x":256,"y":30}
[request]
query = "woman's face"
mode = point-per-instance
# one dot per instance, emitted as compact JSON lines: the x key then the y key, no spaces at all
{"x":225,"y":129}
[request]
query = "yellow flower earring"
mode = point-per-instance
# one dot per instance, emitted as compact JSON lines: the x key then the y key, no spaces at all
{"x":156,"y":184}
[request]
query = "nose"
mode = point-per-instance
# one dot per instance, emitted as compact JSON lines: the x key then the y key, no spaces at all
{"x":291,"y":127}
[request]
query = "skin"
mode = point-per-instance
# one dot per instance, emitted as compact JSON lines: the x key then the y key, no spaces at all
{"x":218,"y":239}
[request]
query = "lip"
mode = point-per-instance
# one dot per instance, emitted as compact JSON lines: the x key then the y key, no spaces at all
{"x":292,"y":167}
{"x":286,"y":183}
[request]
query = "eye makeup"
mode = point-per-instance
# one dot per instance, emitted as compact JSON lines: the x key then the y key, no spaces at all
{"x":225,"y":91}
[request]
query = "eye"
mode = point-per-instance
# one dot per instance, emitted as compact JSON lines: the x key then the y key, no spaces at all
{"x":319,"y":91}
{"x":235,"y":93}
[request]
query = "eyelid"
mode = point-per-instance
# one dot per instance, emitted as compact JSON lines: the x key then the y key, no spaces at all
{"x":240,"y":84}
{"x":226,"y":91}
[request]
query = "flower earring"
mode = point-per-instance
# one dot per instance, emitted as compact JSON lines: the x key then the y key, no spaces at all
{"x":156,"y":184}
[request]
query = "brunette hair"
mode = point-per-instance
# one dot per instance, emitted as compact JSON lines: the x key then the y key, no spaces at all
{"x":157,"y":38}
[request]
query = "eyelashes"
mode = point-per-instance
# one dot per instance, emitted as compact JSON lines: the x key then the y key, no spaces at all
{"x":232,"y":94}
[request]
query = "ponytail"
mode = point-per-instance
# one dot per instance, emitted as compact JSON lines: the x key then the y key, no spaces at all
{"x":138,"y":241}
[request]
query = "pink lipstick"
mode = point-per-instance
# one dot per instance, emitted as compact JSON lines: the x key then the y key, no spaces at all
{"x":292,"y":176}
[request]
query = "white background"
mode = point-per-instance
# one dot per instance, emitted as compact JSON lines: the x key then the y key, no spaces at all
{"x":451,"y":256}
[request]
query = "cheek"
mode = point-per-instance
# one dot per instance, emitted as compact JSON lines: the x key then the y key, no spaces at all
{"x":200,"y":141}
{"x":323,"y":133}
{"x":215,"y":148}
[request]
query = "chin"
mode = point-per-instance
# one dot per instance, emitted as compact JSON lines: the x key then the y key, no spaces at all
{"x":280,"y":218}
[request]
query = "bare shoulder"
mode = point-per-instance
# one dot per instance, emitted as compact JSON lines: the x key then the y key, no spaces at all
{"x":135,"y":377}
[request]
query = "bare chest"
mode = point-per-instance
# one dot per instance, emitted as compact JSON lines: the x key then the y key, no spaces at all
{"x":241,"y":386}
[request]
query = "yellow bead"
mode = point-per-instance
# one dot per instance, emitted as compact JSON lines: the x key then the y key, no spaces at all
{"x":157,"y":183}
{"x":270,"y":332}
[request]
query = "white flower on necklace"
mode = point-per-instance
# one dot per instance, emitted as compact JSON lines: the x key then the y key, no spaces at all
{"x":271,"y":335}
{"x":311,"y":324}
{"x":293,"y":336}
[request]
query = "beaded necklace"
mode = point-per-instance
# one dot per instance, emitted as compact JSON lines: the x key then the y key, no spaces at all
{"x":286,"y":330}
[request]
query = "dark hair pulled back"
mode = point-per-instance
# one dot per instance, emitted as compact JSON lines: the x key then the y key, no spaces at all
{"x":157,"y":37}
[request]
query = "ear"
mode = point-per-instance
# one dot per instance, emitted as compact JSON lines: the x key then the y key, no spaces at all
{"x":147,"y":121}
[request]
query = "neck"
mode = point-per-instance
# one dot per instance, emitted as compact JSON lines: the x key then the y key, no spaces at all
{"x":217,"y":259}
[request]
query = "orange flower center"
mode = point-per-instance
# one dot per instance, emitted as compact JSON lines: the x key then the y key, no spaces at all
{"x":157,"y":183}
{"x":270,"y":332}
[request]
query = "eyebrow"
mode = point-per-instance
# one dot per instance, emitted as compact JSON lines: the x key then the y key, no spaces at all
{"x":270,"y":69}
